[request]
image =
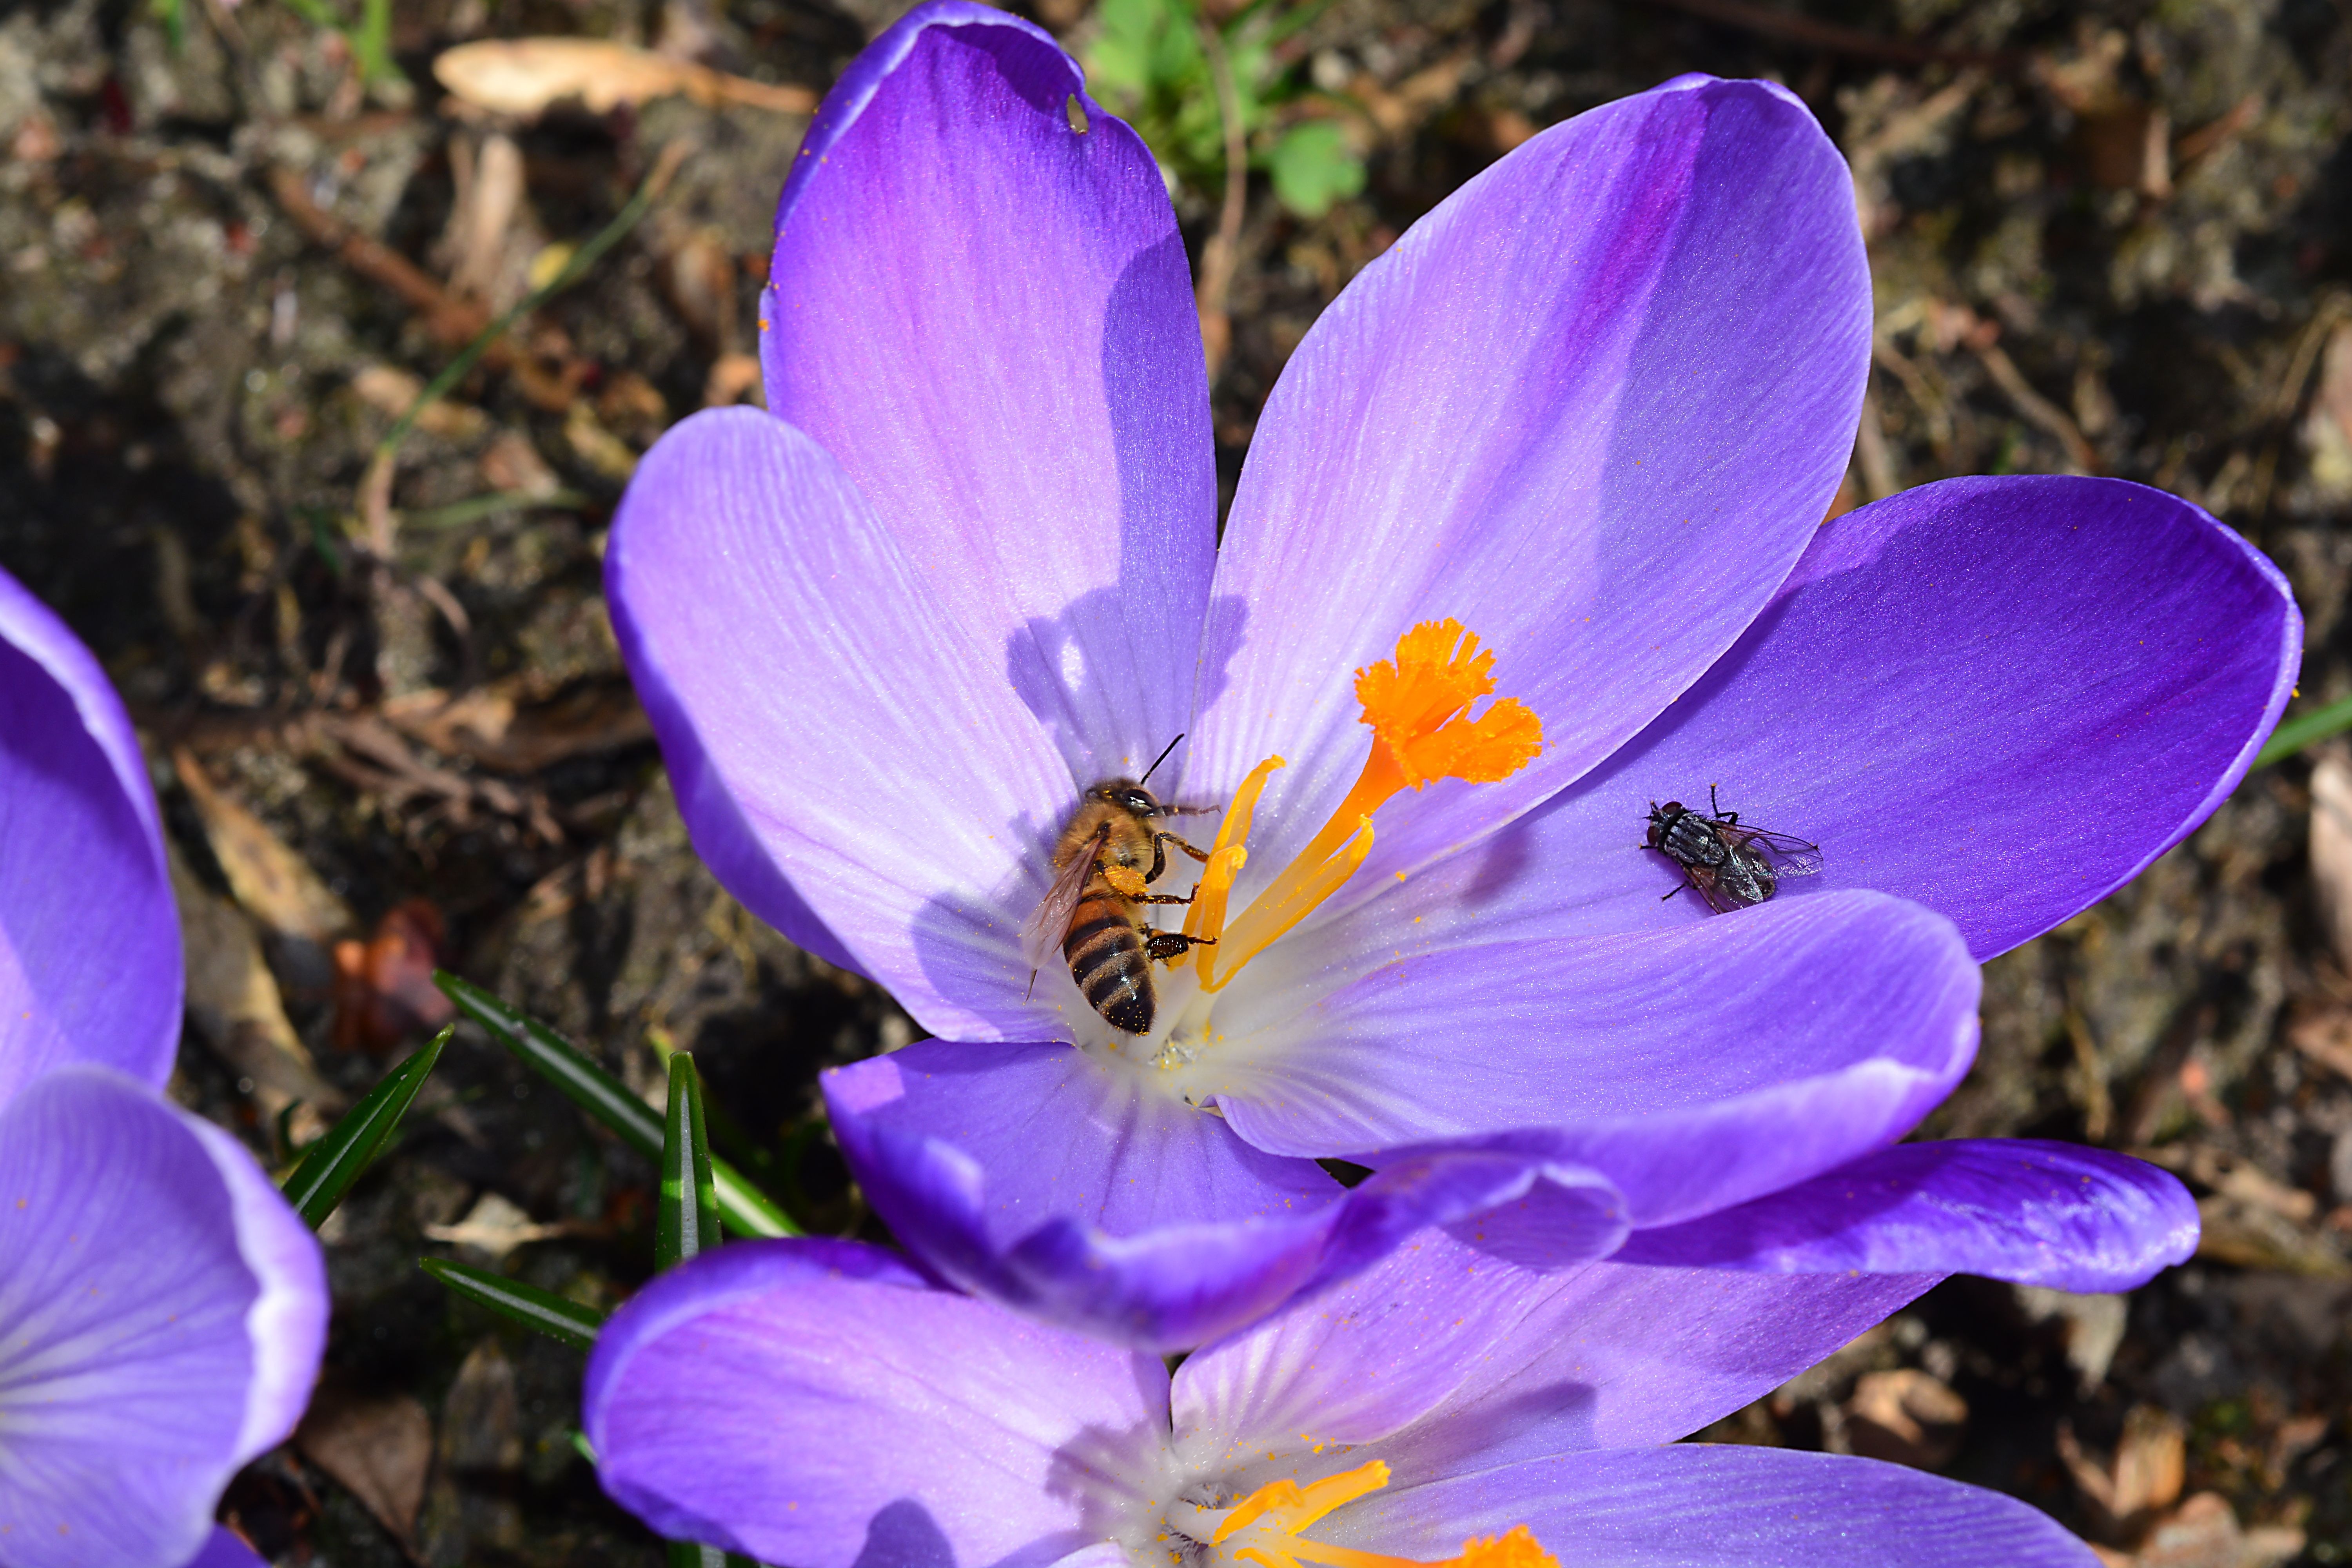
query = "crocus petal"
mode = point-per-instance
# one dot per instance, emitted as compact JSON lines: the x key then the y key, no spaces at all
{"x":90,"y":945}
{"x":2020,"y":1209}
{"x":1593,"y":407}
{"x":984,"y":313}
{"x":1037,"y":1176}
{"x":813,"y":692}
{"x":1702,"y":1506}
{"x":809,"y":1401}
{"x":1451,"y":1360}
{"x":2000,"y":697}
{"x":226,"y":1549}
{"x":162,"y":1312}
{"x":1695,"y":1067}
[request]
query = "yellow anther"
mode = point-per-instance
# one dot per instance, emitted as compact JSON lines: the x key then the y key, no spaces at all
{"x":1264,"y":1529}
{"x":1418,"y":708}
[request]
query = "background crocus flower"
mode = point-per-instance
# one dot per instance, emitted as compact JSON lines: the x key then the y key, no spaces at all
{"x":161,"y":1309}
{"x":1583,"y":420}
{"x":816,"y":1403}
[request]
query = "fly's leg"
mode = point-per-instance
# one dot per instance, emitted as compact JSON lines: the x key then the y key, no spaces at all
{"x":1717,"y":810}
{"x":1167,"y":946}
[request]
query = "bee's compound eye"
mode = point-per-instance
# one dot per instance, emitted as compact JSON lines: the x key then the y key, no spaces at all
{"x":1139,"y":802}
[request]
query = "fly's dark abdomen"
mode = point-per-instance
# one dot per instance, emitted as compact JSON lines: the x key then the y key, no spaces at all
{"x":1746,"y":877}
{"x":1108,"y":962}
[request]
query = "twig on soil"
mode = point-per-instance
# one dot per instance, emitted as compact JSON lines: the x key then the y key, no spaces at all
{"x":375,"y":489}
{"x":1223,"y":253}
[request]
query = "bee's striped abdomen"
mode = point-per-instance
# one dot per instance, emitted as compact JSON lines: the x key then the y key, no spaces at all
{"x":1107,"y":960}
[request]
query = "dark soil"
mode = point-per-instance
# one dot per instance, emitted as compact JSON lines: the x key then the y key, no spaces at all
{"x":2106,"y":238}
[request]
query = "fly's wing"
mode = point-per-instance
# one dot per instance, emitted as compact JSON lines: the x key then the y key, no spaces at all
{"x":1703,"y":880}
{"x":1041,"y":932}
{"x":1790,"y":856}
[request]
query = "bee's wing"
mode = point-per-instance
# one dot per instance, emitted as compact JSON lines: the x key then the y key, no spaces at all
{"x":1041,"y":932}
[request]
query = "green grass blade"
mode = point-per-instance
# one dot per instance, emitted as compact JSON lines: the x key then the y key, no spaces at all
{"x":538,"y":1310}
{"x":743,"y":1208}
{"x":334,"y":1163}
{"x":2308,"y":730}
{"x":686,"y":1219}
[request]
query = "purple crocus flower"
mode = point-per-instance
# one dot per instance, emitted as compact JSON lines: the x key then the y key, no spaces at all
{"x":161,"y":1309}
{"x":816,"y":1403}
{"x":1530,"y":538}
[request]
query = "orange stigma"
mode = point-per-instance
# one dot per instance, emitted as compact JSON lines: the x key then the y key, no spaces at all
{"x":1263,"y":1529}
{"x":1419,"y":710}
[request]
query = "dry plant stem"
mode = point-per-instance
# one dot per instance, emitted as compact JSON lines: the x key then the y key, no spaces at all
{"x":1224,"y":252}
{"x":375,"y":489}
{"x":2036,"y":408}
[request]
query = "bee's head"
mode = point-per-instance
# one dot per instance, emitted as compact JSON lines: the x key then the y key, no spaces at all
{"x":1128,"y":797}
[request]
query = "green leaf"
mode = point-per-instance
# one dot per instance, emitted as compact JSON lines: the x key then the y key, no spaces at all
{"x":540,"y":1311}
{"x":686,"y":1220}
{"x":336,"y":1160}
{"x":744,"y":1208}
{"x":2305,"y":729}
{"x":1313,"y":166}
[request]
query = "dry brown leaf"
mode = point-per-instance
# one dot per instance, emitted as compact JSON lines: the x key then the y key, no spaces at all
{"x":2144,"y":1479}
{"x":234,"y":1001}
{"x":524,"y":76}
{"x":492,"y":199}
{"x":273,"y":883}
{"x":2204,"y":1533}
{"x":1906,"y":1416}
{"x":731,"y":376}
{"x":378,"y":1448}
{"x":494,"y":1228}
{"x":390,"y":390}
{"x":2331,"y":849}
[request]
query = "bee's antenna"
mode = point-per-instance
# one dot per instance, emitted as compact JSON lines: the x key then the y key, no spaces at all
{"x":1158,"y":759}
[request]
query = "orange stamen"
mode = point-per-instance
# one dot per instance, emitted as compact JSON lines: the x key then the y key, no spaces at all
{"x":1278,"y":1511}
{"x":1419,"y":710}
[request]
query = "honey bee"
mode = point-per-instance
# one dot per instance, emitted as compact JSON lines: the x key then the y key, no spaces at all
{"x":1094,"y":912}
{"x":1729,"y":864}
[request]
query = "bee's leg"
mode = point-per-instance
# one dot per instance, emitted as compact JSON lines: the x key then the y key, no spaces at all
{"x":1200,"y":854}
{"x":1162,"y":897}
{"x":1167,"y":946}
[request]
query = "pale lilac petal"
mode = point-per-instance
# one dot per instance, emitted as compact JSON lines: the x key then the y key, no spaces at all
{"x":1594,"y":405}
{"x":139,"y":1270}
{"x":814,"y":694}
{"x":986,"y":316}
{"x":2011,"y":1208}
{"x":812,"y":1402}
{"x":90,"y":945}
{"x":1460,"y":1361}
{"x":2000,"y":697}
{"x":1703,"y":1506}
{"x":1695,"y":1067}
{"x":287,"y":1323}
{"x":1039,"y":1177}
